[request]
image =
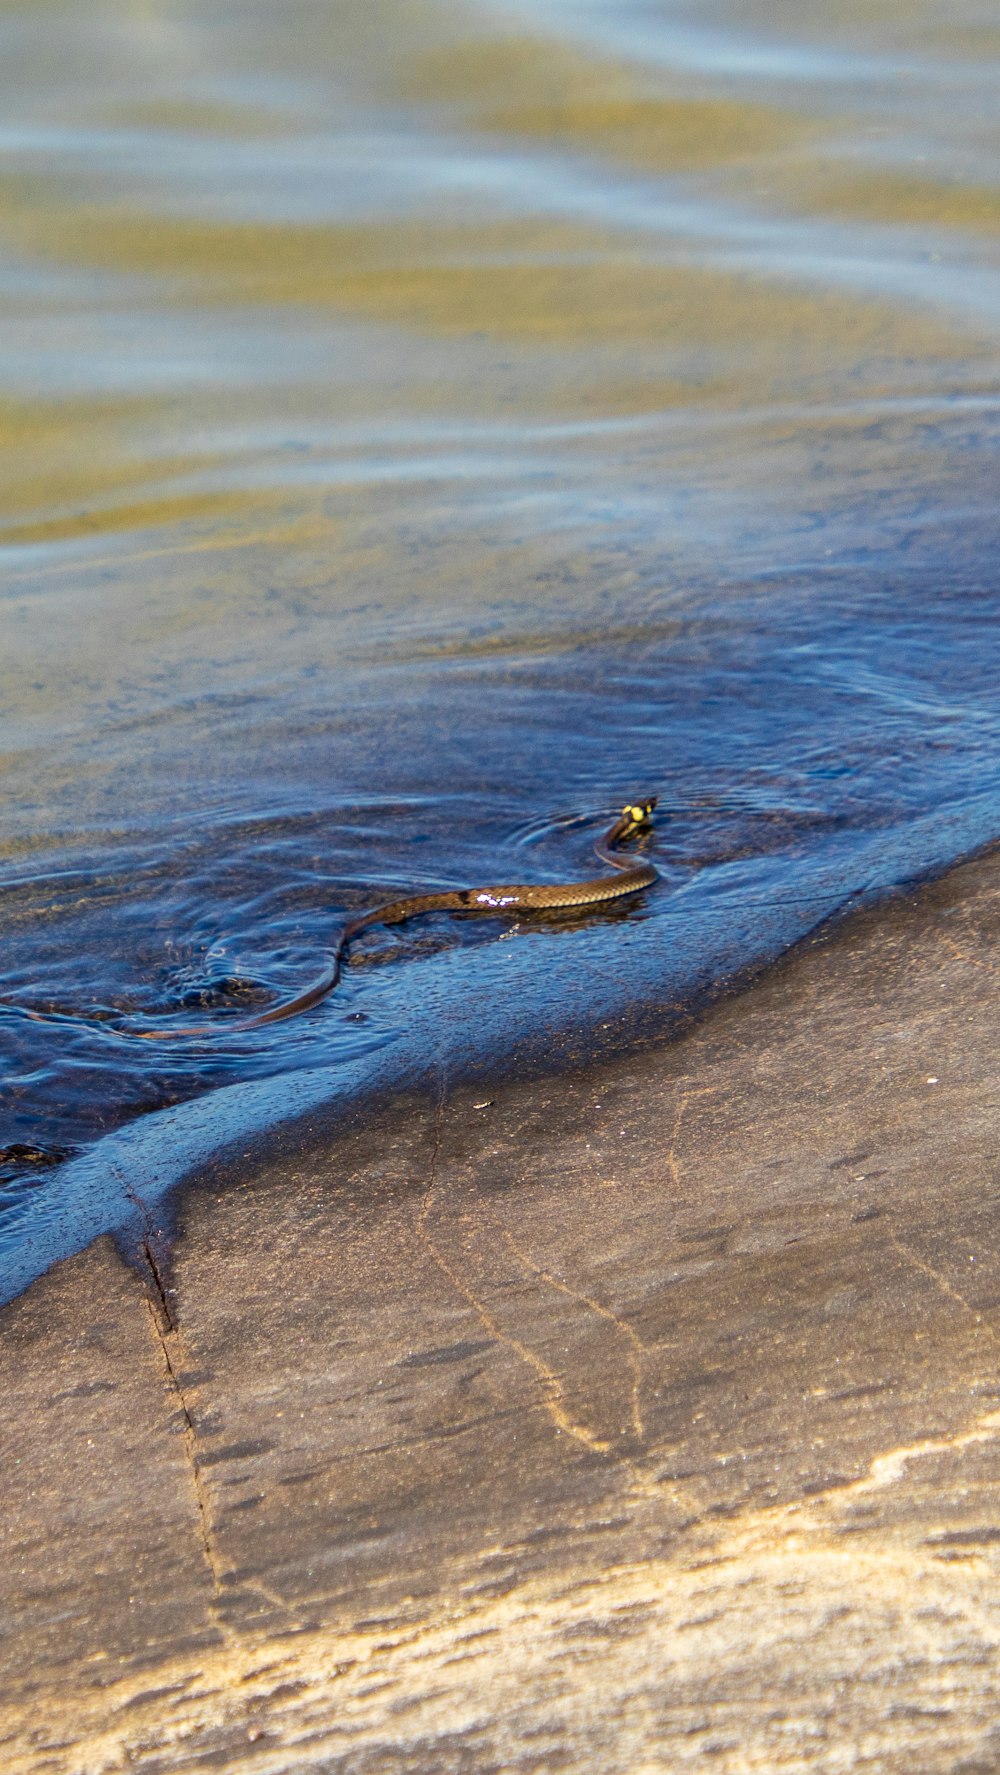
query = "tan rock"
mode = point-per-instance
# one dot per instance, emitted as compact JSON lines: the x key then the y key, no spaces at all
{"x":646,"y":1414}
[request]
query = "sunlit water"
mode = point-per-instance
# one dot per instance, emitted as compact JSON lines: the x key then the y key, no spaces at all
{"x":424,"y":428}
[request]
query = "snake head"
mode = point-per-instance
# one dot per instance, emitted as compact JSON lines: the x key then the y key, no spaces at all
{"x":636,"y":814}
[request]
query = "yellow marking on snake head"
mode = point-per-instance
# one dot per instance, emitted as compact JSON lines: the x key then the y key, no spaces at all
{"x":636,"y":814}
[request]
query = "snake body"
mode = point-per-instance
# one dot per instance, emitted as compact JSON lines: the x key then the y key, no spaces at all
{"x":630,"y":877}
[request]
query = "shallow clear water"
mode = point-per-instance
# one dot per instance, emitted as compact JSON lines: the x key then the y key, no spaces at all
{"x":424,"y":428}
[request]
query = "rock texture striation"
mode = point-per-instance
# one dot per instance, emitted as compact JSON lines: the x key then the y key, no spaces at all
{"x":632,"y":1419}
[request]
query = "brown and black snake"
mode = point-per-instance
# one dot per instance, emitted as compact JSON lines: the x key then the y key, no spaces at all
{"x":629,"y":877}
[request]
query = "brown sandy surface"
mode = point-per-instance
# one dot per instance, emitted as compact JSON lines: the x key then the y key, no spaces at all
{"x":639,"y":1420}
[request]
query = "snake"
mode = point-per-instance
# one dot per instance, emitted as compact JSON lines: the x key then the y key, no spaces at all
{"x":629,"y":876}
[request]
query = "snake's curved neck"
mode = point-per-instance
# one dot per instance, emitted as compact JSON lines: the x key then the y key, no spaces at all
{"x":630,"y":820}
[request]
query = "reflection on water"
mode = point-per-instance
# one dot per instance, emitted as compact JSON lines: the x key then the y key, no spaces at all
{"x":423,"y":423}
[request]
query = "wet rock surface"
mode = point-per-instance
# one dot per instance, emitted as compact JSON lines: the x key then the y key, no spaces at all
{"x":630,"y":1418}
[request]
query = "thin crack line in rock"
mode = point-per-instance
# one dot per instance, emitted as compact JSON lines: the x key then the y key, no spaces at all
{"x":166,"y":1332}
{"x":637,"y":1349}
{"x":552,"y":1390}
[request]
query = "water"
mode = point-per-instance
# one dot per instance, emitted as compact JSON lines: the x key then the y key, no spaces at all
{"x":425,"y":428}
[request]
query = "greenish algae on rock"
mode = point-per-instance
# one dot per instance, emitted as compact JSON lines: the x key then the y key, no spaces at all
{"x":631,"y":1417}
